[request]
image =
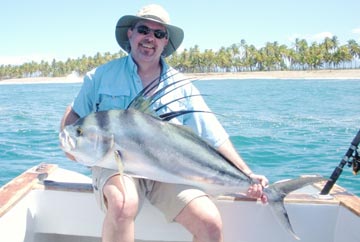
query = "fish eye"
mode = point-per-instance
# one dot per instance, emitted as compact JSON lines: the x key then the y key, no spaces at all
{"x":79,"y":131}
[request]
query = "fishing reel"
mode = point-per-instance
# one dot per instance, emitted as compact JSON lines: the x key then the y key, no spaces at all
{"x":354,"y":161}
{"x":351,"y":158}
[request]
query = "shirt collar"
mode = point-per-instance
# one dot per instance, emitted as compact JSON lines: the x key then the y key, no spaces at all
{"x":133,"y":67}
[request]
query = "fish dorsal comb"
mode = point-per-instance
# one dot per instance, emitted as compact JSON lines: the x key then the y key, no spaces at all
{"x":144,"y":103}
{"x":171,"y":115}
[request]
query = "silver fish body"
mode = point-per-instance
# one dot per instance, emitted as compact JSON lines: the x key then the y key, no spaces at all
{"x":151,"y":148}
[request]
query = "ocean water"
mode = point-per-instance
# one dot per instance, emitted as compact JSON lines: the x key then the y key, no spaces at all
{"x":282,"y":128}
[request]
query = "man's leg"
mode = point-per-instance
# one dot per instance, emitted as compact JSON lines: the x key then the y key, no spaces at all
{"x":121,"y":210}
{"x":202,"y":218}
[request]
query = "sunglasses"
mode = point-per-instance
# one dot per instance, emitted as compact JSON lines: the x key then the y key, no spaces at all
{"x":158,"y":33}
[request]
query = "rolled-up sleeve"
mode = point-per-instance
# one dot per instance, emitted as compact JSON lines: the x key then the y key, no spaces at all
{"x":85,"y":102}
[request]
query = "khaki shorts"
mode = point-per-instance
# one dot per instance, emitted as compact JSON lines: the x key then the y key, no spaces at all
{"x":169,"y":198}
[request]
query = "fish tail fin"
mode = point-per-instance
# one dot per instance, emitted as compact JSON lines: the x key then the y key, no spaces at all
{"x":276,"y":193}
{"x":278,"y":208}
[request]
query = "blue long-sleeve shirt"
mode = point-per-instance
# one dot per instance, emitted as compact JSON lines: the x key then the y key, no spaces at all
{"x":115,"y":84}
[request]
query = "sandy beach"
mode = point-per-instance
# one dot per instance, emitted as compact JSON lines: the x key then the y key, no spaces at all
{"x":319,"y":74}
{"x":40,"y":80}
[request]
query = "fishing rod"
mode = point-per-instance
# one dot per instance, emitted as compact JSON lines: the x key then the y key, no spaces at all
{"x":351,"y":158}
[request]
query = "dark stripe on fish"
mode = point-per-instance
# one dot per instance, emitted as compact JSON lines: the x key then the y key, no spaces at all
{"x":102,"y":119}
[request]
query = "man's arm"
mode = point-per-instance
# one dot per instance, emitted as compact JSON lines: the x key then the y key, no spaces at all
{"x":227,"y":149}
{"x":69,"y":117}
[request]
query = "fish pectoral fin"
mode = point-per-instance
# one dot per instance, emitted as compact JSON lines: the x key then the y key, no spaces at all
{"x":120,"y":165}
{"x":118,"y":160}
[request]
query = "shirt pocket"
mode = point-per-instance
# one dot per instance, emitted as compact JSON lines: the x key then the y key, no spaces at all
{"x":113,"y":99}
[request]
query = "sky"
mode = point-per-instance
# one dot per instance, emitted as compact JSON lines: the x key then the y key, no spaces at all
{"x":35,"y":30}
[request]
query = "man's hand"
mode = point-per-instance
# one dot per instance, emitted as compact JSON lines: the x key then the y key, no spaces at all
{"x":256,"y":190}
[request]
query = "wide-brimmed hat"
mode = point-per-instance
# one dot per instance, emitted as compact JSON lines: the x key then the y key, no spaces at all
{"x":154,"y":13}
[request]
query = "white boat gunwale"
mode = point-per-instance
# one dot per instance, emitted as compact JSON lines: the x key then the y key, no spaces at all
{"x":39,"y":178}
{"x":35,"y":178}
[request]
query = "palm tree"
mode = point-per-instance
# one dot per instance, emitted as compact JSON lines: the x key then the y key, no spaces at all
{"x":209,"y":61}
{"x":196,"y":60}
{"x":354,"y":49}
{"x":223,"y":60}
{"x":237,"y":57}
{"x":315,"y":57}
{"x":301,"y":48}
{"x":342,"y":56}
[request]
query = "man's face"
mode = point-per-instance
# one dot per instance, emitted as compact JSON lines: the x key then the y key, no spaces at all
{"x":147,"y":40}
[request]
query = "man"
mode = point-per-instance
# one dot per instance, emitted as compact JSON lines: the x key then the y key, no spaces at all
{"x":148,"y":37}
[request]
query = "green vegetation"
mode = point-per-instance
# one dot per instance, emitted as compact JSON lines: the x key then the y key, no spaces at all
{"x":56,"y":68}
{"x":236,"y":58}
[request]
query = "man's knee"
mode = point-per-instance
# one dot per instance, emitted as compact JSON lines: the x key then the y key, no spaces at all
{"x":202,"y":218}
{"x":211,"y":224}
{"x":120,"y":206}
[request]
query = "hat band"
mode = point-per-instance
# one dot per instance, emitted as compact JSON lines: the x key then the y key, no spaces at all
{"x":153,"y":17}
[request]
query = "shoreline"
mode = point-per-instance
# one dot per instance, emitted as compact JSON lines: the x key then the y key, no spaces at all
{"x":318,"y":74}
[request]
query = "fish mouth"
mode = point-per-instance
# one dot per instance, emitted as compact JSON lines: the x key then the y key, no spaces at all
{"x":67,"y":143}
